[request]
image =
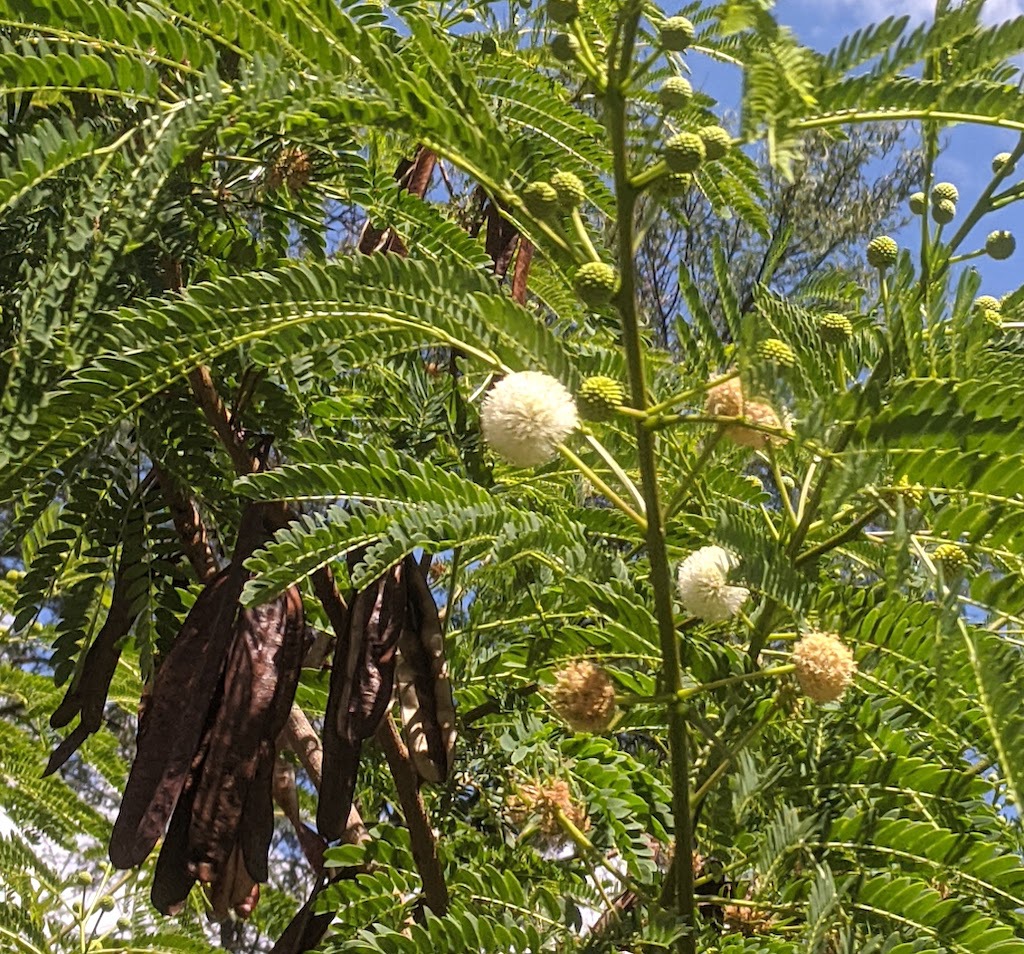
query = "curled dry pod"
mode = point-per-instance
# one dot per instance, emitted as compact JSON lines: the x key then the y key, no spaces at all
{"x":424,"y":689}
{"x":259,"y":684}
{"x":362,"y":682}
{"x":235,"y":890}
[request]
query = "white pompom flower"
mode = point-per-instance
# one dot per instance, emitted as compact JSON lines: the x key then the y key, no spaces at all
{"x":704,"y":589}
{"x":526,"y":415}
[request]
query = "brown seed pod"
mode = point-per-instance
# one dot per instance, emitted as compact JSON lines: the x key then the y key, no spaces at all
{"x":424,"y":689}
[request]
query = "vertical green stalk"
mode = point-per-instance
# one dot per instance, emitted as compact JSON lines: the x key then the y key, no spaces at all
{"x":661,"y":575}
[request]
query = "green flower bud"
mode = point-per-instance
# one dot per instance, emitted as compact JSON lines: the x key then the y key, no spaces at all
{"x":917,"y":203}
{"x":569,"y":190}
{"x":106,"y":903}
{"x":776,"y":351}
{"x":677,"y":34}
{"x":685,"y":152}
{"x":835,"y":328}
{"x":1001,"y":163}
{"x":1000,"y":244}
{"x":678,"y":183}
{"x":717,"y":142}
{"x":123,"y":924}
{"x":469,"y":16}
{"x":541,"y":199}
{"x":598,"y":397}
{"x":987,"y":302}
{"x":882,"y":252}
{"x":675,"y":92}
{"x":945,"y":191}
{"x":596,"y":283}
{"x":562,"y":11}
{"x":564,"y":47}
{"x":944,"y":211}
{"x":83,"y":878}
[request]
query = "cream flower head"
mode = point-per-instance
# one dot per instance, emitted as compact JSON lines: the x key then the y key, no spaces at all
{"x":704,"y":589}
{"x":824,"y":666}
{"x":526,"y":415}
{"x":584,"y":696}
{"x":540,"y":803}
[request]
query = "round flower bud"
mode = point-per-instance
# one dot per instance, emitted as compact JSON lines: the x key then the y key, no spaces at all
{"x":677,"y":183}
{"x":677,"y":34}
{"x":83,"y":879}
{"x":987,"y":302}
{"x":945,"y":192}
{"x":685,"y":152}
{"x":717,"y":142}
{"x":835,"y":328}
{"x":951,"y":557}
{"x":993,"y":317}
{"x":569,"y":190}
{"x":675,"y":92}
{"x":584,"y":697}
{"x":596,"y":283}
{"x":562,"y":11}
{"x":725,"y":399}
{"x":917,"y":203}
{"x":704,"y":590}
{"x":542,"y":803}
{"x":123,"y":924}
{"x":1000,"y":244}
{"x":598,"y":397}
{"x":776,"y":351}
{"x":564,"y":47}
{"x":106,"y":903}
{"x":526,"y":415}
{"x":824,"y":666}
{"x":755,"y":412}
{"x":944,"y":211}
{"x":912,"y":494}
{"x":1001,"y":163}
{"x":882,"y":252}
{"x":540,"y":199}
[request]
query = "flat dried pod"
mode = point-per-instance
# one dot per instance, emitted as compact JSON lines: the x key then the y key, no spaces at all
{"x":178,"y":708}
{"x":362,"y":682}
{"x":259,"y":684}
{"x":424,"y":689}
{"x":172,"y":880}
{"x":235,"y":890}
{"x":170,"y":733}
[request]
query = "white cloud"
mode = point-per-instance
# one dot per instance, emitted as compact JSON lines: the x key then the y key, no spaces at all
{"x":871,"y":11}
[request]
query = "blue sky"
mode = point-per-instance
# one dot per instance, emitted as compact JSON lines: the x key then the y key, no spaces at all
{"x":822,"y":23}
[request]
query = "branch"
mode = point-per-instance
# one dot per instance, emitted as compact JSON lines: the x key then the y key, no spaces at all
{"x":195,"y":541}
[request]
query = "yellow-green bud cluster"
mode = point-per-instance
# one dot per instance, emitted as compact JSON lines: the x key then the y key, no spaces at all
{"x":563,"y":11}
{"x":596,"y":283}
{"x":717,"y":141}
{"x":1001,"y":163}
{"x":598,"y":397}
{"x":777,"y":352}
{"x":944,"y":211}
{"x":951,"y":557}
{"x":945,"y":192}
{"x":1000,"y":244}
{"x":912,"y":494}
{"x":685,"y":152}
{"x":540,"y":198}
{"x":883,"y":252}
{"x":564,"y":47}
{"x":677,"y":34}
{"x":990,"y":308}
{"x":917,"y":203}
{"x":569,"y":190}
{"x":675,"y":92}
{"x":835,"y":328}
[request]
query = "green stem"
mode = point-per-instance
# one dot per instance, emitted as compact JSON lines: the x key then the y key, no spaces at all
{"x":615,"y":468}
{"x":587,"y":472}
{"x":580,"y":228}
{"x":617,"y":119}
{"x":685,"y":694}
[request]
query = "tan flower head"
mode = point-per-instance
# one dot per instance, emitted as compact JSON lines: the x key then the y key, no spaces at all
{"x":725,"y":399}
{"x":757,"y":413}
{"x":584,"y":697}
{"x":542,"y":802}
{"x":824,"y":666}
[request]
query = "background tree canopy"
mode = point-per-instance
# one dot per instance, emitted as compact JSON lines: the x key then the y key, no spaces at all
{"x":464,"y":489}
